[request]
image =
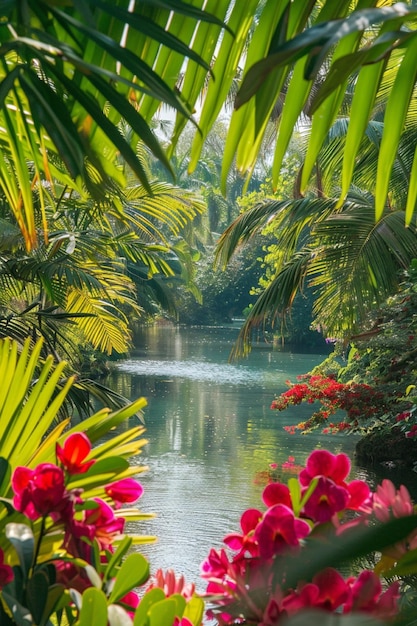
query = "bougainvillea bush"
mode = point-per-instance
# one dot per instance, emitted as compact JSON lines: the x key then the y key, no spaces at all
{"x":369,"y":386}
{"x":286,"y":558}
{"x":361,"y":403}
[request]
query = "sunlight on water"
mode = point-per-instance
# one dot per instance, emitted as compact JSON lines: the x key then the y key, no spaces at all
{"x":201,"y":371}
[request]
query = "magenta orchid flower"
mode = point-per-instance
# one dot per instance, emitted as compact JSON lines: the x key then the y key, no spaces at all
{"x":216,"y":565}
{"x":40,"y":491}
{"x":324,"y":463}
{"x":104,"y":522}
{"x":126,"y":490}
{"x":326,"y":500}
{"x":6,"y":572}
{"x":245,"y":542}
{"x":277,"y":493}
{"x":367,"y":595}
{"x":279,"y":530}
{"x":328,"y":590}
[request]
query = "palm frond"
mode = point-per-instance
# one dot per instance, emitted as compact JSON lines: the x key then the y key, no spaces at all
{"x":275,"y":301}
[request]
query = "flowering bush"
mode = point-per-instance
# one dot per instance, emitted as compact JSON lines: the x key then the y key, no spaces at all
{"x":282,"y":561}
{"x":64,"y":554}
{"x":360,"y":401}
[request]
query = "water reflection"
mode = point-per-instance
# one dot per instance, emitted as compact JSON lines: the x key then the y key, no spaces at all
{"x":211,"y":435}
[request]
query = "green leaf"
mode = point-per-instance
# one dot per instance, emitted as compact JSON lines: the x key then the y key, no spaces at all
{"x":36,"y":594}
{"x":133,"y":572}
{"x":110,"y":465}
{"x":324,"y":618}
{"x":194,"y":610}
{"x":149,"y":599}
{"x":5,"y":474}
{"x":20,"y":613}
{"x":93,"y":609}
{"x":162,"y":612}
{"x":406,"y":566}
{"x":93,"y":576}
{"x":359,"y":542}
{"x":116,"y":558}
{"x":180,"y":602}
{"x":394,"y":120}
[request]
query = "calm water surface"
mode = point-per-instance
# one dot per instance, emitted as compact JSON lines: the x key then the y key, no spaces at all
{"x":212,"y":435}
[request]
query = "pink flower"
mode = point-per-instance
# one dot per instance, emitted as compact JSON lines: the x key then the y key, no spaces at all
{"x":328,"y":590}
{"x":131,"y":602}
{"x":245,"y":542}
{"x":216,"y":565}
{"x":105,"y":524}
{"x":171,"y":584}
{"x":389,"y":501}
{"x":366,"y":596}
{"x":324,"y":463}
{"x":40,"y":491}
{"x":277,"y":493}
{"x":72,"y":455}
{"x":279,"y":530}
{"x":98,"y":523}
{"x":326,"y":500}
{"x":123,"y":491}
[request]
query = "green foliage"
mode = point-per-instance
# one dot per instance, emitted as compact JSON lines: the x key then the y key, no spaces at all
{"x":382,"y":359}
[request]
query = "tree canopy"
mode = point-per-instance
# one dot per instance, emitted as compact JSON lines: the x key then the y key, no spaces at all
{"x":71,"y":71}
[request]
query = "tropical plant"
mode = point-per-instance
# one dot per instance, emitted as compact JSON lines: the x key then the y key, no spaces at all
{"x":83,"y":278}
{"x":71,"y":73}
{"x":351,"y":262}
{"x":62,"y":539}
{"x":372,"y":380}
{"x":320,"y":519}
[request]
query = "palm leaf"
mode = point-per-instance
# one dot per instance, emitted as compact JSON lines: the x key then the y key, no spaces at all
{"x":359,"y":265}
{"x":104,"y":326}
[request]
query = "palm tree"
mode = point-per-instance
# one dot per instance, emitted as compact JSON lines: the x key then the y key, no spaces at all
{"x":350,"y":261}
{"x":71,"y":72}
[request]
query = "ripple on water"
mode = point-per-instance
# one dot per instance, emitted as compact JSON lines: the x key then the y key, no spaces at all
{"x":205,"y":371}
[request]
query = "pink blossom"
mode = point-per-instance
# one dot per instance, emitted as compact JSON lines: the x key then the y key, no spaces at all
{"x":389,"y":501}
{"x":6,"y":572}
{"x":245,"y":542}
{"x":367,"y":596}
{"x":324,"y":463}
{"x":104,"y":522}
{"x":40,"y":491}
{"x":277,"y":493}
{"x":126,"y":490}
{"x":172,"y":584}
{"x":326,"y":500}
{"x":279,"y":530}
{"x":216,"y":565}
{"x":328,"y":590}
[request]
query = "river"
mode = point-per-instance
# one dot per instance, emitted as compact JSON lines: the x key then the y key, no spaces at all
{"x":212,"y":435}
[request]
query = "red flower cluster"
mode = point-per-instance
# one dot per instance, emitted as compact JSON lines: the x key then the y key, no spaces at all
{"x":360,"y":401}
{"x":43,"y":492}
{"x":253,"y":583}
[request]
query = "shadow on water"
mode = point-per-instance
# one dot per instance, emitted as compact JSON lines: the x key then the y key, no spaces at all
{"x":211,"y":434}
